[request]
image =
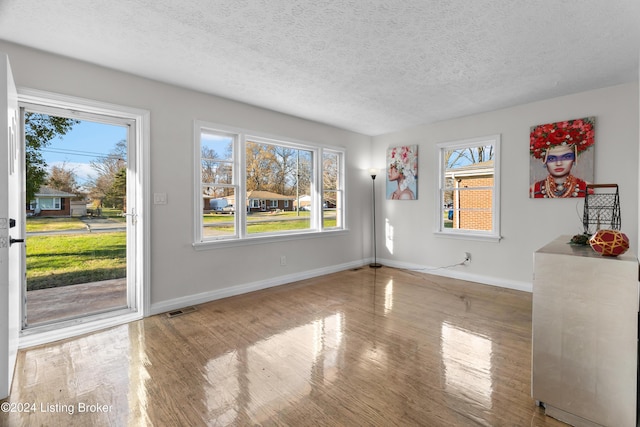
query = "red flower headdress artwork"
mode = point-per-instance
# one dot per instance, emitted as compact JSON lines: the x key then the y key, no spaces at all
{"x":578,"y":133}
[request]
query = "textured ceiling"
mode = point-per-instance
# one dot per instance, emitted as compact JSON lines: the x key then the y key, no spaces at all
{"x":371,"y":66}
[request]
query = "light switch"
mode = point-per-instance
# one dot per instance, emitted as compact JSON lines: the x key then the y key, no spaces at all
{"x":159,"y":198}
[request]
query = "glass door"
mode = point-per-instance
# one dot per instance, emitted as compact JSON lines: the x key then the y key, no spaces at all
{"x":79,"y":216}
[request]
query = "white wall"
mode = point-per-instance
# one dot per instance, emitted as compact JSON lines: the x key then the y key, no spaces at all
{"x":527,"y":224}
{"x":179,"y":274}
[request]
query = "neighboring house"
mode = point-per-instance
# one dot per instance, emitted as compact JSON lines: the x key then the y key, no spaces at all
{"x":50,"y":202}
{"x":257,"y":201}
{"x":472,"y":209}
{"x":305,"y":202}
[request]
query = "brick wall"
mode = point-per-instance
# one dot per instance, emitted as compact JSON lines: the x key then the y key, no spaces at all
{"x":479,"y":200}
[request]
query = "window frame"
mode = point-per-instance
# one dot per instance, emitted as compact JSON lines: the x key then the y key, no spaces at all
{"x":37,"y":203}
{"x":234,"y":185}
{"x":339,"y":191}
{"x":440,"y":230}
{"x":241,"y":237}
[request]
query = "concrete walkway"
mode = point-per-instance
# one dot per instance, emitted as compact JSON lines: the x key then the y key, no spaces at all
{"x":53,"y":304}
{"x":91,"y":225}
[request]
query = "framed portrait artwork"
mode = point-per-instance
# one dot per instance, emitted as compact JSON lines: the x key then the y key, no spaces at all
{"x":561,"y":158}
{"x":402,"y":173}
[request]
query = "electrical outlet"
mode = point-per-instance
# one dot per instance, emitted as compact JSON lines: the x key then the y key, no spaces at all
{"x":467,"y":257}
{"x":283,"y":260}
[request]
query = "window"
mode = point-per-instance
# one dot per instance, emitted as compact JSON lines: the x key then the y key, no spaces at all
{"x":332,"y":189}
{"x":47,"y":203}
{"x":469,"y":188}
{"x":250,"y":186}
{"x":51,"y":203}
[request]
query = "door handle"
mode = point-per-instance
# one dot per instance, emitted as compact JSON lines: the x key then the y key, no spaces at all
{"x":12,"y":241}
{"x":133,"y":215}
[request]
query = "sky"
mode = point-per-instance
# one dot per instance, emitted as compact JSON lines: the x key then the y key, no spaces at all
{"x":86,"y":142}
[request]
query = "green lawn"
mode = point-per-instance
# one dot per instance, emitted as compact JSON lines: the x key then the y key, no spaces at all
{"x":271,"y":226}
{"x":63,"y":260}
{"x":220,"y":217}
{"x":53,"y":224}
{"x":263,"y":222}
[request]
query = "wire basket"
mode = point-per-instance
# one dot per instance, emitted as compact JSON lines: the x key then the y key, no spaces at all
{"x":601,"y":208}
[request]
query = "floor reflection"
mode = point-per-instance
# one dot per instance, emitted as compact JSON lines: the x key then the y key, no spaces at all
{"x":388,"y":297}
{"x":466,"y":357}
{"x":247,"y":384}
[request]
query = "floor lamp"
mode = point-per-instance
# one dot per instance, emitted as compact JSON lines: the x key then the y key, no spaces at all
{"x":374,"y":264}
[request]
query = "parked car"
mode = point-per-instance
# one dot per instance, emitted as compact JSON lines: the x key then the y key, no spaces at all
{"x":229,"y":209}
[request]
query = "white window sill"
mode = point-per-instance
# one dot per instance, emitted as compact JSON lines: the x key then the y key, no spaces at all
{"x":260,"y":240}
{"x":469,"y":236}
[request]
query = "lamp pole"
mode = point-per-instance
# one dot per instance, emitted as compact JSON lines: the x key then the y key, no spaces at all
{"x":374,"y":264}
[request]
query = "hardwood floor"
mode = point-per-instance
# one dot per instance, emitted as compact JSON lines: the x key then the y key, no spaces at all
{"x":375,"y":347}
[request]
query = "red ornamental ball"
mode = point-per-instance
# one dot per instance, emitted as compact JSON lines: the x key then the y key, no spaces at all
{"x":609,"y":242}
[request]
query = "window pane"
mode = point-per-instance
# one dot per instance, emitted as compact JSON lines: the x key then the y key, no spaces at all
{"x":331,"y":211}
{"x":472,"y":209}
{"x":279,"y":176}
{"x":218,"y":218}
{"x":469,"y":185}
{"x":464,"y":158}
{"x":214,"y":172}
{"x":216,"y":146}
{"x":46,"y":204}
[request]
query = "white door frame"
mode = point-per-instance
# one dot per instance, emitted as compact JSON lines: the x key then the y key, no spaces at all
{"x":140,"y":189}
{"x":11,"y":207}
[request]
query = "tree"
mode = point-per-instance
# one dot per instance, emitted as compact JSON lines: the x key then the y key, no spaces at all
{"x":108,"y":167}
{"x":62,"y":178}
{"x":278,"y":169}
{"x":284,"y":170}
{"x":118,"y":192}
{"x":466,"y":156}
{"x":111,"y":164}
{"x":260,"y":163}
{"x":39,"y":131}
{"x":210,"y":165}
{"x":216,"y":170}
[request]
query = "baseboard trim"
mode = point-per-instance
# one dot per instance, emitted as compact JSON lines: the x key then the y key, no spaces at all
{"x":203,"y":297}
{"x":461,"y":275}
{"x":74,"y":328}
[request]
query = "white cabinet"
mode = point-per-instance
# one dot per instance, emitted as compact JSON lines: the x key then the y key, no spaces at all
{"x":585,"y":335}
